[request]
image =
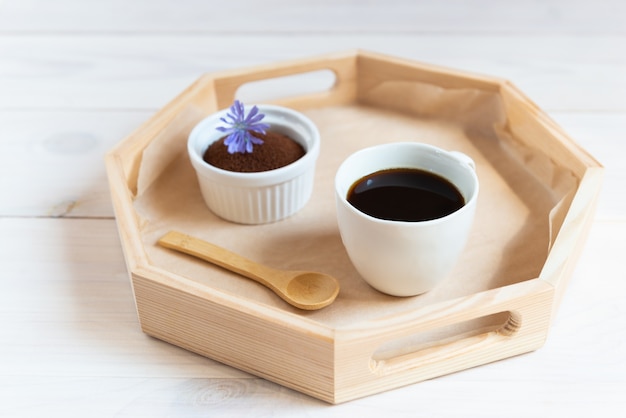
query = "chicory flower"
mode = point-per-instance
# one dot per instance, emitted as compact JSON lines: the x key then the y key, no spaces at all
{"x":240,"y":127}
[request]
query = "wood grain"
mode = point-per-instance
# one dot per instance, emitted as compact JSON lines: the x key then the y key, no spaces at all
{"x":242,"y":16}
{"x":77,"y":77}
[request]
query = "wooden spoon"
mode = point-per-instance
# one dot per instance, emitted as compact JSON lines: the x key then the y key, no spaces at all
{"x":303,"y":289}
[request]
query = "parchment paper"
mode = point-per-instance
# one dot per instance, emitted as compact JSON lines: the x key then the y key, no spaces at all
{"x":519,"y":206}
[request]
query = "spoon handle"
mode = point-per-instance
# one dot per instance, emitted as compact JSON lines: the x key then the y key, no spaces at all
{"x":222,"y":257}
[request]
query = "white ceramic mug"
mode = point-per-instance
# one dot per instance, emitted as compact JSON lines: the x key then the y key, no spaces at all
{"x":405,"y":258}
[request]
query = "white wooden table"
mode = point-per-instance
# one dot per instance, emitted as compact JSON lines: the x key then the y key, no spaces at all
{"x":77,"y":76}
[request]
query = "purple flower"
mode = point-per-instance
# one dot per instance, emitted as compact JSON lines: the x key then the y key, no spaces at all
{"x":240,"y":127}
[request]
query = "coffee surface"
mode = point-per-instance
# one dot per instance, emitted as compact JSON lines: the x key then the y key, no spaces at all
{"x":405,"y":194}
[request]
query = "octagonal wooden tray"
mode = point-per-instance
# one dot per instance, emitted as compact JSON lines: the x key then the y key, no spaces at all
{"x":538,"y":190}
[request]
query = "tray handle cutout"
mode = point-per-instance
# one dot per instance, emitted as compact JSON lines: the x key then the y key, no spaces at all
{"x":311,"y":82}
{"x":444,"y":343}
{"x":328,"y":79}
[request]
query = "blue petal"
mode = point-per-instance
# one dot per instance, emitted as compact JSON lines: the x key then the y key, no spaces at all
{"x":255,"y":119}
{"x":256,"y":140}
{"x":252,"y":114}
{"x":238,"y":109}
{"x":259,"y":127}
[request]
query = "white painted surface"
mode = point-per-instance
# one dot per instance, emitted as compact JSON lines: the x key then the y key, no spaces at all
{"x":76,"y":77}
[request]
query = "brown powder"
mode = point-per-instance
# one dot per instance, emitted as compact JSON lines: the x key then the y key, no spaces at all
{"x":277,"y":151}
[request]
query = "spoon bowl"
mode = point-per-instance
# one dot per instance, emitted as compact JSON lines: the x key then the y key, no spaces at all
{"x":306,"y":290}
{"x":313,"y":289}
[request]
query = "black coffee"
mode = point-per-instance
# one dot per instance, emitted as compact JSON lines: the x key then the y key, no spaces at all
{"x":405,"y":194}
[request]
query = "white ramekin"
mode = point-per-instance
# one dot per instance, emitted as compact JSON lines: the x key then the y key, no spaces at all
{"x":261,"y":197}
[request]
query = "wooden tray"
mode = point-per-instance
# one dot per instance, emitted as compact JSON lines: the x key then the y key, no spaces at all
{"x":538,"y":192}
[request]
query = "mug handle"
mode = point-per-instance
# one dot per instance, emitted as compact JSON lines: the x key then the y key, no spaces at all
{"x":463,"y":158}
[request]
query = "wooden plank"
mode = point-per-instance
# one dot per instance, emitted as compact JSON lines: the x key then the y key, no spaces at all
{"x":65,"y":176}
{"x":241,"y":16}
{"x":67,"y":308}
{"x":146,"y":72}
